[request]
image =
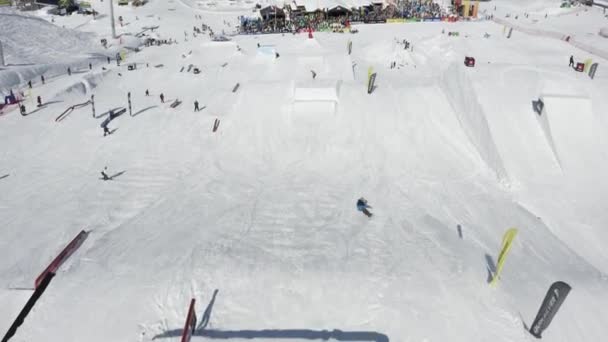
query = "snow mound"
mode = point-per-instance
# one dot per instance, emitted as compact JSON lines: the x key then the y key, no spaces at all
{"x":458,"y":88}
{"x":568,"y":123}
{"x":604,"y":32}
{"x":50,"y":43}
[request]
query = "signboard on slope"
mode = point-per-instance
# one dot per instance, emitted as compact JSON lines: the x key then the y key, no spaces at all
{"x":554,"y":298}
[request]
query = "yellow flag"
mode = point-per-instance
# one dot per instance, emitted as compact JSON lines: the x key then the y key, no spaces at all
{"x":588,"y":63}
{"x":507,"y":239}
{"x":465,"y":10}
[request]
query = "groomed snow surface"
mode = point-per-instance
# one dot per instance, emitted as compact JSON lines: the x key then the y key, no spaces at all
{"x":263,"y":210}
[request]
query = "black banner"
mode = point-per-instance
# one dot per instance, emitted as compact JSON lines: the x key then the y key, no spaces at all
{"x":592,"y":70}
{"x":553,"y":300}
{"x":28,"y":306}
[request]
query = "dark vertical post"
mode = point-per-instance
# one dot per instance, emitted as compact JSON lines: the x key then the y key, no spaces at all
{"x":93,"y":104}
{"x":129,"y":98}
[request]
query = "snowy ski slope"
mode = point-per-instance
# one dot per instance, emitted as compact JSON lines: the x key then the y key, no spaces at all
{"x":263,"y":210}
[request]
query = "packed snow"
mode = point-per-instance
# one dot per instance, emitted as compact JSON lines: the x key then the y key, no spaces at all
{"x":257,"y":219}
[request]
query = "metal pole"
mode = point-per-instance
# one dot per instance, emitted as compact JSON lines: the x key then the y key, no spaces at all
{"x":1,"y":55}
{"x":112,"y":18}
{"x":129,"y":97}
{"x":93,"y":104}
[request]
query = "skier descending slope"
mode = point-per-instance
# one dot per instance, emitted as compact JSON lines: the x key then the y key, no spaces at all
{"x":362,"y":206}
{"x":104,"y":175}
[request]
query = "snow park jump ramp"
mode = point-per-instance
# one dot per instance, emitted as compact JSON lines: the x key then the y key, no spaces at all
{"x":458,"y":88}
{"x":314,"y":98}
{"x":571,"y":130}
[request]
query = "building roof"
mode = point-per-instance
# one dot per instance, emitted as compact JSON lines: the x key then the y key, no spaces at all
{"x":312,"y":5}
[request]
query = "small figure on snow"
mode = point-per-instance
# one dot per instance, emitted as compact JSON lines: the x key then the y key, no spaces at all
{"x":362,"y":206}
{"x":108,"y":60}
{"x":39,"y":99}
{"x":69,"y":71}
{"x":104,"y":175}
{"x":162,"y":98}
{"x":147,"y":92}
{"x":42,"y":78}
{"x":196,"y":109}
{"x":571,"y":61}
{"x":29,"y":83}
{"x":314,"y":74}
{"x":90,"y":66}
{"x":106,"y":131}
{"x":22,"y":109}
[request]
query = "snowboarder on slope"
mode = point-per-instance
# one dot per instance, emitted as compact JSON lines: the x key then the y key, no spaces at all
{"x":362,"y":206}
{"x":104,"y":174}
{"x":571,"y":61}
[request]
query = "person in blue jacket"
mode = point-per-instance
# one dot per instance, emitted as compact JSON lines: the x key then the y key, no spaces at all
{"x":362,"y":206}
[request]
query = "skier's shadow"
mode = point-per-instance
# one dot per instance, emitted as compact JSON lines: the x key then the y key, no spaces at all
{"x":490,"y":267}
{"x":115,"y":175}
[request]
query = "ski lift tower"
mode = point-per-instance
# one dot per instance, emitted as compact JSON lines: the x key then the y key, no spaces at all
{"x":112,"y":18}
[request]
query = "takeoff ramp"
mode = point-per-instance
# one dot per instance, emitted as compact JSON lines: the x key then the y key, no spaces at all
{"x":571,"y":130}
{"x":315,"y":98}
